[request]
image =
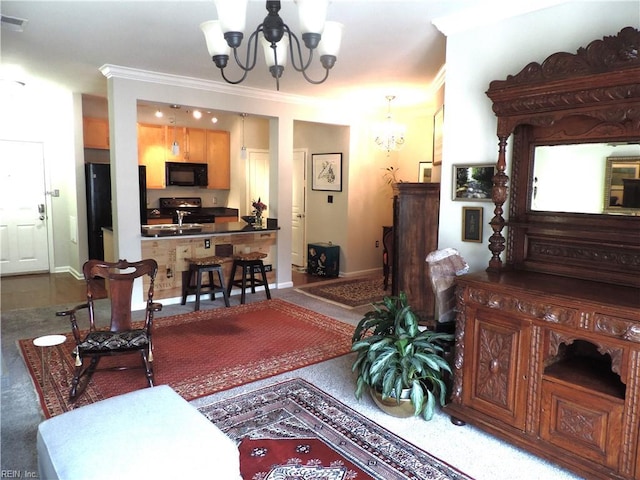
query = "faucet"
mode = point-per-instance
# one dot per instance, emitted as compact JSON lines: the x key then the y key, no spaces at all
{"x":181,"y":214}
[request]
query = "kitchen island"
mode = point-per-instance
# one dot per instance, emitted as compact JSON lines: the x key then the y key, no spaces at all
{"x":172,"y":246}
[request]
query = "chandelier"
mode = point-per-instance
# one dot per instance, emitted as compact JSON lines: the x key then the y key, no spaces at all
{"x":389,"y":134}
{"x":277,"y":40}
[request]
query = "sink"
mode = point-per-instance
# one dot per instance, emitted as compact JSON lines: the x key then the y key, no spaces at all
{"x":171,"y":228}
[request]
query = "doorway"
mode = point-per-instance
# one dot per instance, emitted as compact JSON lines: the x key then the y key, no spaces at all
{"x":298,"y":206}
{"x":24,"y":233}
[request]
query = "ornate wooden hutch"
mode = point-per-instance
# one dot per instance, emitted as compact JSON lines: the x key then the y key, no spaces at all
{"x":548,"y":342}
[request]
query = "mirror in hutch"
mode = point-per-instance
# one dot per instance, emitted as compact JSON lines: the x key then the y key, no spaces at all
{"x":548,"y":341}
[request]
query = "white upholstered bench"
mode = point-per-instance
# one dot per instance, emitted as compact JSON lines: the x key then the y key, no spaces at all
{"x":147,"y":434}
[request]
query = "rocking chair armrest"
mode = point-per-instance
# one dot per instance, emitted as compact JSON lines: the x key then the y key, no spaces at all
{"x":72,"y":318}
{"x":72,"y":311}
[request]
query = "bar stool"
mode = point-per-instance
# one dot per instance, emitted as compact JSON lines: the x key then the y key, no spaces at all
{"x":247,"y":262}
{"x":198,"y":266}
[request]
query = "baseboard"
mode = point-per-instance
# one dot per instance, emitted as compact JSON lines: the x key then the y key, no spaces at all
{"x":67,"y":269}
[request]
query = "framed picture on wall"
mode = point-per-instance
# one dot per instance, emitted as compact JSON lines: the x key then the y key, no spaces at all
{"x":424,"y":172}
{"x":438,"y":122}
{"x":472,"y":224}
{"x":473,"y":182}
{"x":326,"y":172}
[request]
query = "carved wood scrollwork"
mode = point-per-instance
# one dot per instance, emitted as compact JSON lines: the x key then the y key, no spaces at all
{"x":616,"y":353}
{"x":617,"y":327}
{"x":495,"y":351}
{"x":536,"y":309}
{"x":600,"y":83}
{"x":461,"y":320}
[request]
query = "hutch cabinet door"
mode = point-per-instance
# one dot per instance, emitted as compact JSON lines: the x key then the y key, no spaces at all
{"x":582,"y":422}
{"x":495,"y":371}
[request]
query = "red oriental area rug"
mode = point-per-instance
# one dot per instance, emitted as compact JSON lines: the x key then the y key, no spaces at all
{"x":348,"y":293}
{"x":202,"y":352}
{"x":293,"y":430}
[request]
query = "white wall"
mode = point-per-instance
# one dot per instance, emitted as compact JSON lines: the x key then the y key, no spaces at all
{"x":44,"y":112}
{"x":474,"y":59}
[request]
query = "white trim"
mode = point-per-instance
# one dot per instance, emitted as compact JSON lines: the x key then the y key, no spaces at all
{"x":128,"y":73}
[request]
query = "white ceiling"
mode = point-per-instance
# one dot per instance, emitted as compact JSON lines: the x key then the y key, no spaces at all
{"x":388,"y":46}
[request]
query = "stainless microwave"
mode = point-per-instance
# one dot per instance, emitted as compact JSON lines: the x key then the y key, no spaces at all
{"x":186,"y":174}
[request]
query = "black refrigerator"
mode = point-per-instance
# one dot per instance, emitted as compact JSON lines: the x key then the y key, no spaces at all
{"x":98,"y":187}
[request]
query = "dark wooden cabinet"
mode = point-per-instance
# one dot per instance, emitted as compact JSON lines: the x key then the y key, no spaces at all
{"x":415,"y":235}
{"x":547,"y":352}
{"x":551,"y":364}
{"x":498,"y":364}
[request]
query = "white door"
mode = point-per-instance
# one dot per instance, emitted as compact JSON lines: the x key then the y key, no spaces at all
{"x":258,"y":178}
{"x":23,"y":217}
{"x":298,"y":204}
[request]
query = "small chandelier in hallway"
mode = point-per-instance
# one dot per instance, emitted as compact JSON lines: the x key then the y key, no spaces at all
{"x":389,"y":135}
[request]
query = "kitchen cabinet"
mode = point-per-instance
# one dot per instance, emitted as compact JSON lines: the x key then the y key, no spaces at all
{"x":196,"y":145}
{"x":95,"y":133}
{"x":151,"y":153}
{"x":415,"y":235}
{"x":218,"y":159}
{"x":551,"y":365}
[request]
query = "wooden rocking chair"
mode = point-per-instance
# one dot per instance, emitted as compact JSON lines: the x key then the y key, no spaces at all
{"x":121,"y":338}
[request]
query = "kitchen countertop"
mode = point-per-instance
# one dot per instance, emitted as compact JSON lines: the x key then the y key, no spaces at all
{"x":202,"y":229}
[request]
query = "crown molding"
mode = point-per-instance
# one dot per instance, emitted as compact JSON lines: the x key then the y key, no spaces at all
{"x":128,"y":73}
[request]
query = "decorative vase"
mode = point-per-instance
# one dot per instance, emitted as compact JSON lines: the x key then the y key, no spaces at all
{"x":402,"y":409}
{"x":258,"y":220}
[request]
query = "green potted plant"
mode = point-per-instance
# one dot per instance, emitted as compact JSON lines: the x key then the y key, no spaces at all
{"x":397,"y":361}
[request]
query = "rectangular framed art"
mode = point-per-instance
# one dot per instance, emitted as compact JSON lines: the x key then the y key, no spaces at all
{"x":326,"y":172}
{"x":438,"y":122}
{"x":424,"y":172}
{"x":473,"y":183}
{"x":472,"y":224}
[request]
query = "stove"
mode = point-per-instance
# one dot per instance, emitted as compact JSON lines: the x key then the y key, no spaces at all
{"x":196,"y":213}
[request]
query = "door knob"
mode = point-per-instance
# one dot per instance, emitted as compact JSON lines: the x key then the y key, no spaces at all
{"x":41,"y":210}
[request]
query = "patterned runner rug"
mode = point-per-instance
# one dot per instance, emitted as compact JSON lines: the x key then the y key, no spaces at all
{"x":349,"y":293}
{"x":295,"y":430}
{"x":200,"y":353}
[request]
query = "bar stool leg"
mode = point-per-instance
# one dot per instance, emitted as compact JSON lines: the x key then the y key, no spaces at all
{"x":212,"y":285}
{"x":224,"y":290}
{"x":186,"y":283}
{"x":232,"y":278}
{"x":253,"y":277}
{"x":264,"y":280}
{"x":243,"y":295}
{"x":198,"y":287}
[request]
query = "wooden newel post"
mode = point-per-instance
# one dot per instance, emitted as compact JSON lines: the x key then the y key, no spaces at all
{"x":499,"y":196}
